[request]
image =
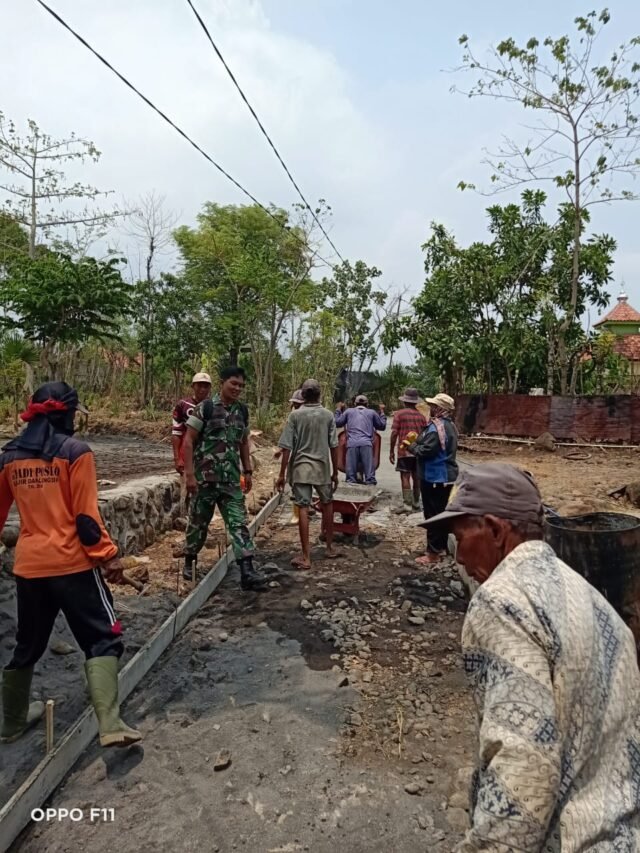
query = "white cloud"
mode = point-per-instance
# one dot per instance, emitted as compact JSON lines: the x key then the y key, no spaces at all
{"x":386,"y":155}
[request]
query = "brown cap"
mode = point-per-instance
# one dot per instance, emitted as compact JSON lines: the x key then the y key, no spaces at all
{"x":494,"y":488}
{"x":310,"y":385}
{"x":296,"y":397}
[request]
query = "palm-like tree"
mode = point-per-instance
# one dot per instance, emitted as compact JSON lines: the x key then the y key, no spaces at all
{"x":17,"y":360}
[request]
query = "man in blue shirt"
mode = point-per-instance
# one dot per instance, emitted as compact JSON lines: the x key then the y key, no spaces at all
{"x":435,"y":449}
{"x":361,"y":424}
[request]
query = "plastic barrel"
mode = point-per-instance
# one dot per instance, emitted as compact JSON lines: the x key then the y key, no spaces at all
{"x":603,"y":547}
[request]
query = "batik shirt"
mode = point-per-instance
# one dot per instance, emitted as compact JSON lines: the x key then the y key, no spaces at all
{"x":222,"y":429}
{"x":557,"y":689}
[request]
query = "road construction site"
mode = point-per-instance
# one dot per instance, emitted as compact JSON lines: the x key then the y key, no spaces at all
{"x":328,"y":713}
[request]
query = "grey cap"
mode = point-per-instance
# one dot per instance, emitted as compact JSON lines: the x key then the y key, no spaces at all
{"x":296,"y":397}
{"x":361,"y":399}
{"x":410,"y":396}
{"x":494,"y":488}
{"x":310,"y":385}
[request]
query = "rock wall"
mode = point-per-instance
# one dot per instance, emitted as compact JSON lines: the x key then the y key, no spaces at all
{"x":135,"y":513}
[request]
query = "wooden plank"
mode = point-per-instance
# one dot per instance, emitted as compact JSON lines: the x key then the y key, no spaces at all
{"x":45,"y":778}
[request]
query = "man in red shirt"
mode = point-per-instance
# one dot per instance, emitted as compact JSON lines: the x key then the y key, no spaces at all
{"x":63,"y":556}
{"x":201,"y":387}
{"x":405,"y":421}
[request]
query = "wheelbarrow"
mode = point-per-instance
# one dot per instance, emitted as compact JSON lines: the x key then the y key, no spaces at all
{"x":349,"y":502}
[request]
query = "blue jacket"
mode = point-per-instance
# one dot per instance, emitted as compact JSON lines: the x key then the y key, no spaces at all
{"x":436,"y":465}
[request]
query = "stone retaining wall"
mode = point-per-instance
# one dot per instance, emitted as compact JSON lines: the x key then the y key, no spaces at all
{"x":138,"y":511}
{"x":135,"y":513}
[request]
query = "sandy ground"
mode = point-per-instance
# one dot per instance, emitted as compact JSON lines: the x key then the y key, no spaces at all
{"x":379,"y":763}
{"x":371,"y":765}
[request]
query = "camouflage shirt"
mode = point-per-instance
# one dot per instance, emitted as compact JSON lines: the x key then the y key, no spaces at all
{"x":216,"y":455}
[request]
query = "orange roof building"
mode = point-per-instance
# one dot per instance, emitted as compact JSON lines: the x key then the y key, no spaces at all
{"x":623,"y":321}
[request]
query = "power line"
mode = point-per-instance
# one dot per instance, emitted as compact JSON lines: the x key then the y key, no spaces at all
{"x":182,"y":133}
{"x":261,"y":126}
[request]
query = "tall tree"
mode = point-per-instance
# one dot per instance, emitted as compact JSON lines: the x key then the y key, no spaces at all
{"x":150,"y":225}
{"x":56,"y":302}
{"x":586,"y":140}
{"x":17,"y":360}
{"x":490,"y":314}
{"x":179,"y":334}
{"x":38,"y":190}
{"x":353,"y":300}
{"x":253,"y":272}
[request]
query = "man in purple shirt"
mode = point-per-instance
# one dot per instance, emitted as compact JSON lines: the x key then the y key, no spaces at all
{"x":360,"y":424}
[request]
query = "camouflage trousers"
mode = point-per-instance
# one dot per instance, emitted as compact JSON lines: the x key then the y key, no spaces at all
{"x":229,"y":499}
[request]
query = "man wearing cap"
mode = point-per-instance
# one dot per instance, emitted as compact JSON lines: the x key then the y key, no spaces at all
{"x":63,"y":556}
{"x":555,"y":677}
{"x":435,"y":451}
{"x":361,"y":424}
{"x":408,"y":422}
{"x":201,"y":389}
{"x":309,"y":446}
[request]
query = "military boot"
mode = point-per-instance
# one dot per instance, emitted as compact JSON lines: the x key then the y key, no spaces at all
{"x":18,"y":713}
{"x":102,"y":675}
{"x":251,"y":578}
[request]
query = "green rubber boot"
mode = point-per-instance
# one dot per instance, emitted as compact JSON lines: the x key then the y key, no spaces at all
{"x":18,"y":714}
{"x":102,"y":675}
{"x":407,"y":498}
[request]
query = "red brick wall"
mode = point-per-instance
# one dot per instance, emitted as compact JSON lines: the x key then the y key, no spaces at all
{"x":612,"y":419}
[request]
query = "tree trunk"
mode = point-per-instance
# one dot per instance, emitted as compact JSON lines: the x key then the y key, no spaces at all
{"x":550,"y":362}
{"x":570,"y":312}
{"x":34,"y":210}
{"x":574,"y":376}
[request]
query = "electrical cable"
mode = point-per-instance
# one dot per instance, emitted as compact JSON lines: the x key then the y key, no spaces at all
{"x":179,"y":130}
{"x":261,"y":126}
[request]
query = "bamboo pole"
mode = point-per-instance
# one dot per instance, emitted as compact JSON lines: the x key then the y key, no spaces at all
{"x":49,"y":723}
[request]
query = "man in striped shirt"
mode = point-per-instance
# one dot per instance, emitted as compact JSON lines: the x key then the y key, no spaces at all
{"x":407,"y":421}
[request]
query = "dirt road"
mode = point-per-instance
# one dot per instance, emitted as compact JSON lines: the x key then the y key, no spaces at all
{"x":338,"y":694}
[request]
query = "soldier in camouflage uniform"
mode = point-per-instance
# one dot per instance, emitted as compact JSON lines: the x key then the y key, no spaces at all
{"x":216,"y":443}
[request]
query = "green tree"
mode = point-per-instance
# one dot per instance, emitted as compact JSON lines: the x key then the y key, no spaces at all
{"x":171,"y":327}
{"x":253,"y":272}
{"x":490,"y":314}
{"x":58,"y":302}
{"x":14,"y":241}
{"x":352,"y":299}
{"x":17,"y":360}
{"x":587,"y":138}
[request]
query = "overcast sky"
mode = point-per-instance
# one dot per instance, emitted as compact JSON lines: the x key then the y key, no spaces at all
{"x":355,"y":93}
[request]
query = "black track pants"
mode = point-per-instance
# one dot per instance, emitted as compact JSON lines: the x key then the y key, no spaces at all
{"x":87,"y":603}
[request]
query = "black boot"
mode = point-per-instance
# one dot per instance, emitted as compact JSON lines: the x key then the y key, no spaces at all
{"x":250,"y":578}
{"x":190,"y":563}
